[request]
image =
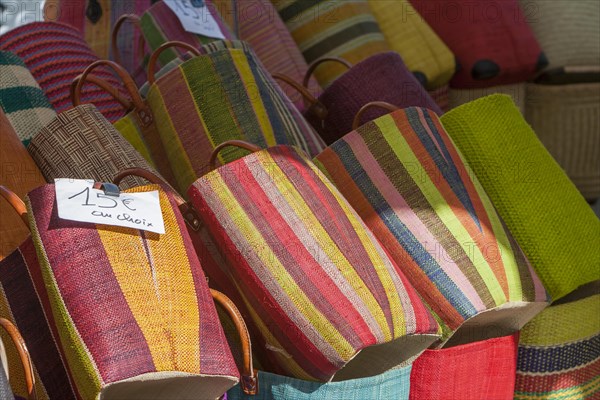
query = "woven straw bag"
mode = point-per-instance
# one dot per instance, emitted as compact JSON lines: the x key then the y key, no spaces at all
{"x":223,"y":94}
{"x":382,"y":77}
{"x":566,"y":119}
{"x":559,"y":352}
{"x":323,"y":298}
{"x":17,"y":341}
{"x":516,"y":91}
{"x":24,"y":301}
{"x":441,"y":97}
{"x":134,"y":313}
{"x":21,"y":98}
{"x":407,"y":181}
{"x":491,"y":40}
{"x":345,"y":29}
{"x":474,"y":371}
{"x":424,"y":53}
{"x":548,"y":217}
{"x":38,"y":44}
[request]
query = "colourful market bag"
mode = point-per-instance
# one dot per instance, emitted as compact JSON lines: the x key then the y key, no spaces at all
{"x":424,"y":53}
{"x":81,"y":143}
{"x":39,"y":43}
{"x":559,"y":353}
{"x":474,"y":371}
{"x":21,"y":98}
{"x":223,"y":94}
{"x":548,"y":217}
{"x":324,"y":300}
{"x":345,"y":29}
{"x":408,"y":182}
{"x":491,"y":40}
{"x":134,"y":312}
{"x":25,"y":361}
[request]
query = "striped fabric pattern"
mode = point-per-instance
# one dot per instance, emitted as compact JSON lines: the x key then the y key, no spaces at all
{"x":315,"y":282}
{"x":21,"y":98}
{"x":55,"y":54}
{"x":221,"y":95}
{"x":345,"y":29}
{"x":24,"y":301}
{"x":131,"y":305}
{"x":559,"y":353}
{"x":407,"y":181}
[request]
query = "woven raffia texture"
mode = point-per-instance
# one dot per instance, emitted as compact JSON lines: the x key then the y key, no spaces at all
{"x":491,"y":40}
{"x":567,"y":30}
{"x":405,"y":178}
{"x":317,"y":285}
{"x":131,"y":305}
{"x":475,"y":371}
{"x":81,"y":143}
{"x":424,"y":53}
{"x":551,"y":221}
{"x":55,"y":54}
{"x":344,"y":29}
{"x":440,"y":96}
{"x":394,"y":384}
{"x":24,"y":301}
{"x":21,"y":98}
{"x":566,"y":119}
{"x":5,"y":390}
{"x":221,"y":95}
{"x":459,"y":97}
{"x":559,"y":353}
{"x":382,"y":77}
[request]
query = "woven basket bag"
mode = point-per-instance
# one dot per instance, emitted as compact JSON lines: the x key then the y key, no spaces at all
{"x":517,"y":92}
{"x":322,"y":298}
{"x":24,"y":358}
{"x":134,"y":312}
{"x":21,"y":98}
{"x":566,"y":119}
{"x":548,"y":217}
{"x":491,"y":40}
{"x":223,"y":94}
{"x":424,"y":53}
{"x":407,"y":181}
{"x":441,"y":97}
{"x":39,"y":43}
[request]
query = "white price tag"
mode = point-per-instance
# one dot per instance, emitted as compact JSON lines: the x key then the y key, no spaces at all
{"x":77,"y":200}
{"x":196,"y":17}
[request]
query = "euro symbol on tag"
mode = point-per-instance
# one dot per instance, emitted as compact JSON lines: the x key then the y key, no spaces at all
{"x":126,"y":204}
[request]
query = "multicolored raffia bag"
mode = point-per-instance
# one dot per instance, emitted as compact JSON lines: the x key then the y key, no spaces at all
{"x":559,"y":353}
{"x":407,"y":181}
{"x":55,"y":54}
{"x":548,"y":217}
{"x":324,"y":300}
{"x":345,"y":29}
{"x":134,"y":313}
{"x":21,"y":98}
{"x":24,"y":301}
{"x":223,"y":94}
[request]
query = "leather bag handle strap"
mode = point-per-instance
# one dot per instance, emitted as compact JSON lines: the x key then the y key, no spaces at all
{"x":313,"y":66}
{"x":309,"y":100}
{"x":373,"y":104}
{"x":231,"y":143}
{"x":249,"y":381}
{"x":102,"y":84}
{"x":163,"y":47}
{"x":24,"y":356}
{"x":16,"y":203}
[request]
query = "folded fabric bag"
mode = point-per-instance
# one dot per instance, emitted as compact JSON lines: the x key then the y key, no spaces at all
{"x":135,"y":315}
{"x":548,"y":217}
{"x":407,"y":181}
{"x":24,"y":301}
{"x":21,"y":98}
{"x":559,"y":353}
{"x":55,"y":53}
{"x":344,"y":29}
{"x":474,"y":371}
{"x":223,"y":94}
{"x":424,"y":53}
{"x":322,"y":297}
{"x":491,"y":40}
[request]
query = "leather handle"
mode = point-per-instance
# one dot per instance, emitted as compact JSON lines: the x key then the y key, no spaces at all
{"x":249,"y":381}
{"x":310,"y":101}
{"x":19,"y":343}
{"x":16,"y":203}
{"x":231,"y":143}
{"x":373,"y":104}
{"x":163,"y":47}
{"x":313,"y":66}
{"x":102,"y":84}
{"x":135,"y":20}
